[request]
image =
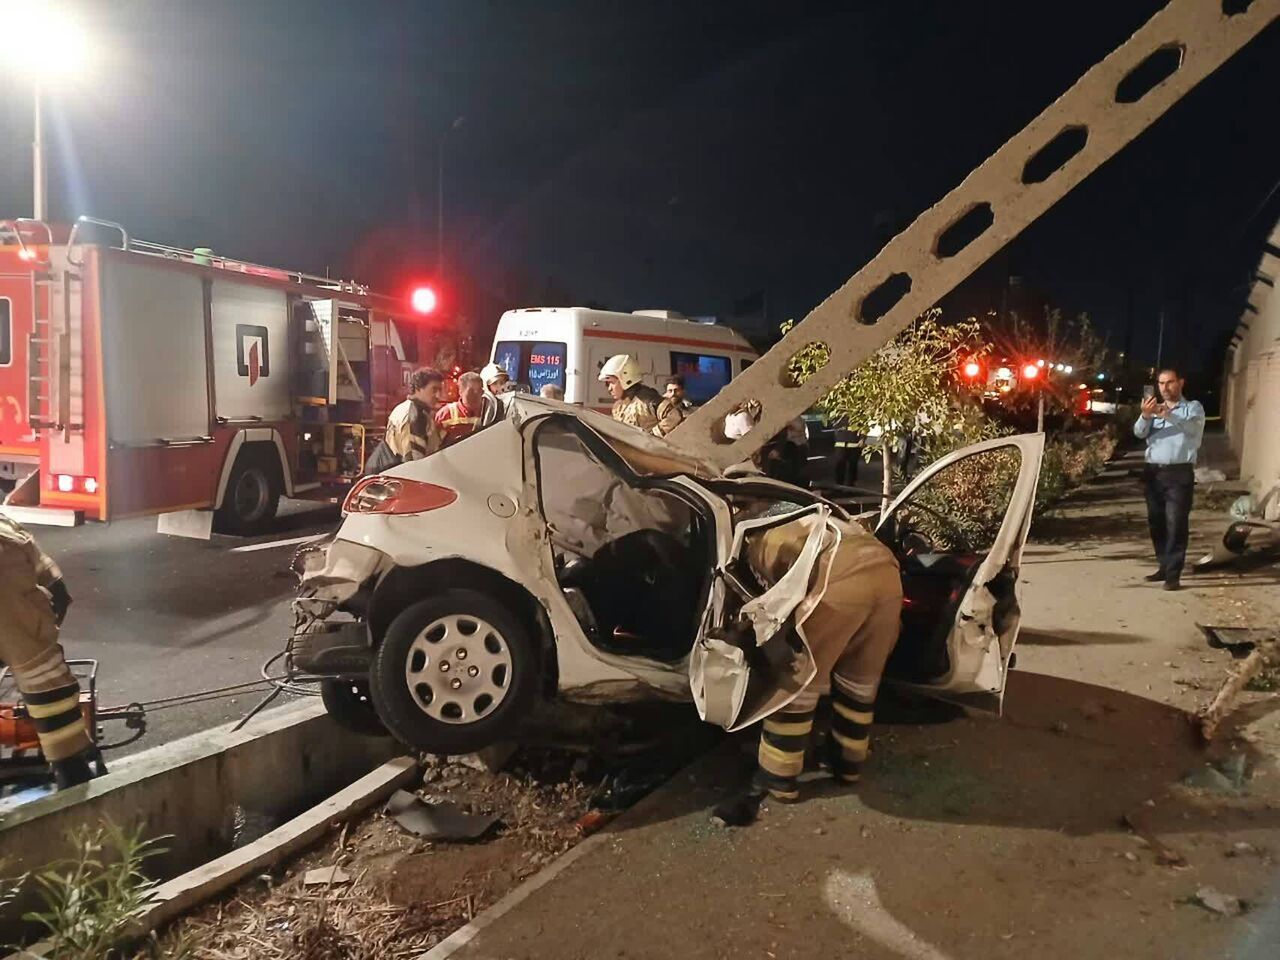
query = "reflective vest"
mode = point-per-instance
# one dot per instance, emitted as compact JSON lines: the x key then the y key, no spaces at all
{"x":456,"y":421}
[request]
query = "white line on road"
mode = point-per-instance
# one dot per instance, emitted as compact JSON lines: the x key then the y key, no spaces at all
{"x":277,"y":543}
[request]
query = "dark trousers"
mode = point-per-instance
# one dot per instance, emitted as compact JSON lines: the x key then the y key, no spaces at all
{"x":1169,"y":490}
{"x":847,"y":465}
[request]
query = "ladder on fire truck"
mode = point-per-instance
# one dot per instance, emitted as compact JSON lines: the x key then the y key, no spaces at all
{"x":1106,"y":109}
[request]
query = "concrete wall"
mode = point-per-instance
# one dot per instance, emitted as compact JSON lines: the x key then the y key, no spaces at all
{"x":284,"y":762}
{"x":1251,"y":385}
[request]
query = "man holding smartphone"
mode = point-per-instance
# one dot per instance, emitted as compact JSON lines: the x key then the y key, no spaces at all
{"x":1173,"y":427}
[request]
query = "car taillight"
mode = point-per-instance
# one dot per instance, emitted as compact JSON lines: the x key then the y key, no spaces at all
{"x":397,"y":495}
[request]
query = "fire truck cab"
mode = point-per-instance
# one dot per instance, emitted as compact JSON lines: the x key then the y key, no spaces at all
{"x":142,"y":379}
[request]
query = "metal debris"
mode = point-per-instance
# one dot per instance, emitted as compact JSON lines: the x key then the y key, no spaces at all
{"x":436,"y":821}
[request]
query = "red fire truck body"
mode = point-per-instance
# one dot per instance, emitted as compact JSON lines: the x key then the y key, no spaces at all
{"x":139,"y":379}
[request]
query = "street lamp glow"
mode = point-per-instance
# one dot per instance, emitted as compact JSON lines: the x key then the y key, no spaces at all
{"x":42,"y":39}
{"x":1068,"y":369}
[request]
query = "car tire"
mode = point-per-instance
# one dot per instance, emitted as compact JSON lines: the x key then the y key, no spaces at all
{"x":252,"y":496}
{"x":350,"y":705}
{"x":418,"y":664}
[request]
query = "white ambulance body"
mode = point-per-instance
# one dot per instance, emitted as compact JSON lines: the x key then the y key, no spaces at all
{"x":567,"y":346}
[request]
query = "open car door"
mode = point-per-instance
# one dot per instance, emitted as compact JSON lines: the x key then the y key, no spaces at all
{"x":958,"y":530}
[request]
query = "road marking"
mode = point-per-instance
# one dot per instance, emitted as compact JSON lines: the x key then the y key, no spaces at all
{"x":250,"y":548}
{"x":854,"y":899}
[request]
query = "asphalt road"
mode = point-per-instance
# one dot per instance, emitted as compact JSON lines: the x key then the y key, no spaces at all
{"x":166,"y":616}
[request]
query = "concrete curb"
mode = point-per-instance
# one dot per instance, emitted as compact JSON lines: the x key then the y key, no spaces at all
{"x":190,"y":790}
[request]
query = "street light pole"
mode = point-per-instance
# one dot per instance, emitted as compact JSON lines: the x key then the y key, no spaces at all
{"x":39,"y":171}
{"x":456,"y":125}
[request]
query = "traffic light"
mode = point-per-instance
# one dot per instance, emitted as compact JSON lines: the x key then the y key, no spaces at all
{"x":423,"y":300}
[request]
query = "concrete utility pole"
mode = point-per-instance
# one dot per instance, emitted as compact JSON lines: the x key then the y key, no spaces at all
{"x":1109,"y":106}
{"x":39,"y":168}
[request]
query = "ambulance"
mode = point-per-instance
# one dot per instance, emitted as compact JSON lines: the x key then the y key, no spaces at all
{"x":567,"y":346}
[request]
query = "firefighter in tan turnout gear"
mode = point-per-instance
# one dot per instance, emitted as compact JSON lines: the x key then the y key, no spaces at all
{"x":851,"y":632}
{"x":412,"y":433}
{"x":634,"y":402}
{"x":33,"y":602}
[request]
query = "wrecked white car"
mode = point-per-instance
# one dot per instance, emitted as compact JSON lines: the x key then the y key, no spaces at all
{"x":560,"y":554}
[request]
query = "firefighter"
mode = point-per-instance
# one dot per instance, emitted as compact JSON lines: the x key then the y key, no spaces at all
{"x":412,"y":433}
{"x":634,"y":402}
{"x":461,"y":418}
{"x":851,"y":632}
{"x":847,"y":444}
{"x":496,"y":381}
{"x":673,"y":408}
{"x":34,"y":601}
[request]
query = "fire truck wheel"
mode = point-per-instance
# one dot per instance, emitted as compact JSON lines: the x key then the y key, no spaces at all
{"x":348,"y":702}
{"x":252,"y":496}
{"x":454,"y":673}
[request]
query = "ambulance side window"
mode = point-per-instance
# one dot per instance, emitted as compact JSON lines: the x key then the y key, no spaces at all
{"x":704,"y":374}
{"x":6,"y":331}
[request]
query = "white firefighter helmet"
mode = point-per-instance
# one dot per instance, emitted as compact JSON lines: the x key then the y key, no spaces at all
{"x":492,"y":372}
{"x":624,"y":367}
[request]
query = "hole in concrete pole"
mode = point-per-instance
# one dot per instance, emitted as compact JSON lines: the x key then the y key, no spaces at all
{"x":1149,"y":74}
{"x":964,"y":230}
{"x":1235,"y":7}
{"x":1053,"y":156}
{"x":883,"y":298}
{"x":804,"y":363}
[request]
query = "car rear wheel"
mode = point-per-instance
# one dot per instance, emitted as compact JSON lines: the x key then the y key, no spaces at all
{"x":454,"y":673}
{"x":350,"y":705}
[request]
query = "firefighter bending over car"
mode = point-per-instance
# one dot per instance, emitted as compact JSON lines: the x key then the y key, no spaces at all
{"x":33,"y":603}
{"x":635,"y":403}
{"x":850,"y":632}
{"x":412,"y":433}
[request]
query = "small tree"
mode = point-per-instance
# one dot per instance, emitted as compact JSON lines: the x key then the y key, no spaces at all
{"x":906,"y":391}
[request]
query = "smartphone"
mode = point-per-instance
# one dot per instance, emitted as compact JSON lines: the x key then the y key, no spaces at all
{"x":1148,"y":392}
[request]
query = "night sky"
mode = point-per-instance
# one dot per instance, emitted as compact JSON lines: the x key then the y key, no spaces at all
{"x":648,"y":154}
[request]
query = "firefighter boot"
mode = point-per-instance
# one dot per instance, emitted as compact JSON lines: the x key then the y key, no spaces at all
{"x":73,"y":771}
{"x":847,"y":746}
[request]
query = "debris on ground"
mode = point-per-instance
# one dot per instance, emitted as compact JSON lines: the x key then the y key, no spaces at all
{"x":325,"y":876}
{"x":1218,"y":902}
{"x":439,"y":820}
{"x":1227,"y":776}
{"x":381,"y":888}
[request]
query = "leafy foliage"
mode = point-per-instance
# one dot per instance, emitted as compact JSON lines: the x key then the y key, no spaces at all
{"x":91,"y":899}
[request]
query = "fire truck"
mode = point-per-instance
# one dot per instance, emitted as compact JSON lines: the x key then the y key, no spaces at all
{"x":138,"y":379}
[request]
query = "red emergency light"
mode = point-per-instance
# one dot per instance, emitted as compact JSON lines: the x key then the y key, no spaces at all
{"x":1031,"y":372}
{"x":971,"y":369}
{"x":423,"y":300}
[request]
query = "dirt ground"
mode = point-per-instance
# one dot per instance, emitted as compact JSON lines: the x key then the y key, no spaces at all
{"x":404,"y":894}
{"x":1065,"y":828}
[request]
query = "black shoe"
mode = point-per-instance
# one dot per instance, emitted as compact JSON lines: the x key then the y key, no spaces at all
{"x":1156,"y":577}
{"x":1172,"y":584}
{"x":740,"y":810}
{"x":72,"y":771}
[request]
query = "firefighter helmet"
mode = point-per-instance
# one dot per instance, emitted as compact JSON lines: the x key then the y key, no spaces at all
{"x":624,"y":367}
{"x":492,"y":372}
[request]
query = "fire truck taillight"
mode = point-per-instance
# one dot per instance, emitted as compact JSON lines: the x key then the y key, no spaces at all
{"x":65,"y":483}
{"x":396,"y":495}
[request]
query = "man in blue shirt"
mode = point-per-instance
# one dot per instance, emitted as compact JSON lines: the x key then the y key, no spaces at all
{"x":1173,"y":427}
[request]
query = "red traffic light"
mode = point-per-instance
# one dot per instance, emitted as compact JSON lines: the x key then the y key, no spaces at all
{"x":971,"y":369}
{"x":1031,"y":371}
{"x":423,"y":300}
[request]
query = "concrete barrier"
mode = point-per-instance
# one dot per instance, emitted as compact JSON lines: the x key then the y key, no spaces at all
{"x":189,"y":790}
